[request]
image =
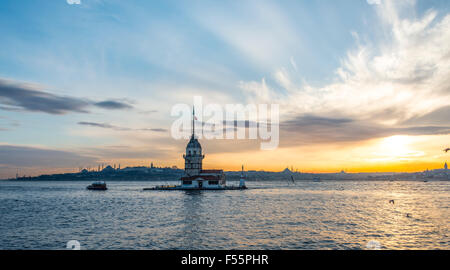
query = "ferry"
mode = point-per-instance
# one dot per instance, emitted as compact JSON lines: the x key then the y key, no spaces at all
{"x":97,"y":186}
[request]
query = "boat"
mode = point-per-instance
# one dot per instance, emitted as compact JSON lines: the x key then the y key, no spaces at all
{"x":97,"y":186}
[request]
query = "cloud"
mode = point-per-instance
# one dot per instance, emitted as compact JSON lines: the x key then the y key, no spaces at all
{"x":148,"y":112}
{"x":259,"y":30}
{"x":293,"y":63}
{"x":437,"y":117}
{"x":113,"y":105}
{"x":100,"y":125}
{"x":374,"y":2}
{"x":74,"y":2}
{"x":20,"y":96}
{"x":5,"y":121}
{"x":378,"y":87}
{"x":154,"y":129}
{"x":310,"y":129}
{"x":109,"y":126}
{"x":314,"y":120}
{"x":25,"y":156}
{"x":24,"y":96}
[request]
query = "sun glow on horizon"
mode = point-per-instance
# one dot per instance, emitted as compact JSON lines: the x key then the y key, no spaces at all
{"x":396,"y":148}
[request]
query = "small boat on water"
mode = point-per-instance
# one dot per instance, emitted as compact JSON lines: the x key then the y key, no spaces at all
{"x":97,"y":186}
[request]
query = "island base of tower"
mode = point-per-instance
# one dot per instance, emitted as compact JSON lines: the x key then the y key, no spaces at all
{"x":184,"y":188}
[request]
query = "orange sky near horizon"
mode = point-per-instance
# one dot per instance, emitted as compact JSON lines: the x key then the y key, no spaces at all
{"x":390,"y":154}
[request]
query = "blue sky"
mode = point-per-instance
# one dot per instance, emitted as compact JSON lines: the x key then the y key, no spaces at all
{"x":150,"y":55}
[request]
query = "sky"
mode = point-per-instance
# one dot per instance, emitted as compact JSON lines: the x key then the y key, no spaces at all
{"x":363,"y":85}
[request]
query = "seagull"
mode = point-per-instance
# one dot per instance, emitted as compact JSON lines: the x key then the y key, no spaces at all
{"x":391,"y":201}
{"x":446,"y":150}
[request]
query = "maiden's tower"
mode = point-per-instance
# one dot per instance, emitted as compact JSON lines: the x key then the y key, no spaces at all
{"x":195,"y":178}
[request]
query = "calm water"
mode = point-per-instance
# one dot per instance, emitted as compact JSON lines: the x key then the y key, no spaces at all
{"x":270,"y":215}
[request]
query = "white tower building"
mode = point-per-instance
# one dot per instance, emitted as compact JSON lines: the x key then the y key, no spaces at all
{"x":193,"y":158}
{"x":194,"y":175}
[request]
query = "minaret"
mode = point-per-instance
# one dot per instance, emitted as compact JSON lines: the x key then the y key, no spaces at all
{"x":242,"y":180}
{"x":193,"y":157}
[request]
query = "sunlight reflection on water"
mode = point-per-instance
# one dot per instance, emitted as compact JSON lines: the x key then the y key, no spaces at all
{"x":270,"y":215}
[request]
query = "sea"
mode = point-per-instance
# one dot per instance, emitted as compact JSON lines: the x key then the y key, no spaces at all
{"x":270,"y":215}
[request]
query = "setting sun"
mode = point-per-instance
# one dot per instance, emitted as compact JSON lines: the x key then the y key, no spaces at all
{"x":397,"y":148}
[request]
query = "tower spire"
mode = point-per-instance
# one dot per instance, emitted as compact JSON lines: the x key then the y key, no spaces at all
{"x":193,"y":123}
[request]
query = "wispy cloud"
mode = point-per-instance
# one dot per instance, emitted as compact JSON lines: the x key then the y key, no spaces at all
{"x":109,"y":126}
{"x":21,"y":96}
{"x":378,"y":86}
{"x":100,"y":125}
{"x":311,"y":129}
{"x":6,"y":123}
{"x":374,"y":2}
{"x":440,"y":116}
{"x":154,"y":129}
{"x":113,"y":105}
{"x":258,"y":30}
{"x":26,"y":97}
{"x":73,"y":2}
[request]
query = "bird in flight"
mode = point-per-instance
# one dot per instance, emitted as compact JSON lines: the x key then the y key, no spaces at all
{"x":446,"y":150}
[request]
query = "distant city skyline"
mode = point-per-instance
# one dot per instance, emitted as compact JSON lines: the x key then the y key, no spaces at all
{"x":362,"y":85}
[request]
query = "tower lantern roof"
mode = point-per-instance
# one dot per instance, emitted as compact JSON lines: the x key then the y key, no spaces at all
{"x":193,"y":143}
